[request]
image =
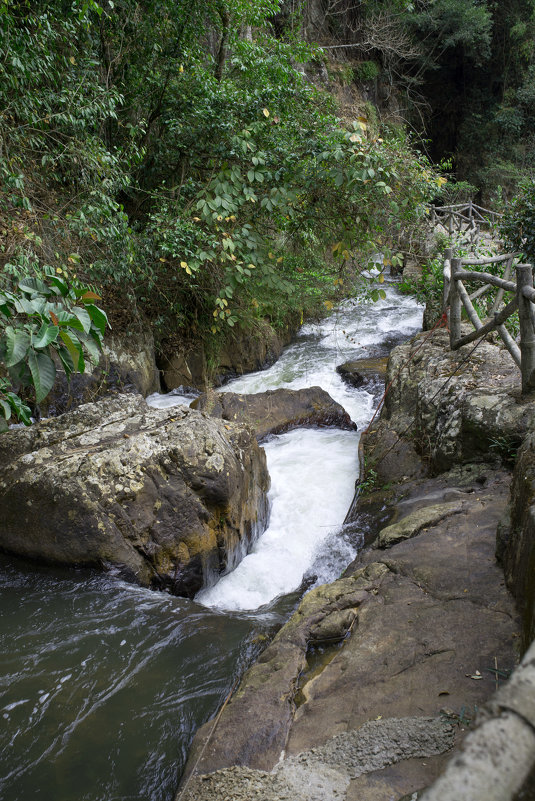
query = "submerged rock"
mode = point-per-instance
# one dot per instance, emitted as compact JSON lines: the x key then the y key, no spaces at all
{"x":362,"y":372}
{"x":278,"y":410}
{"x":168,"y":497}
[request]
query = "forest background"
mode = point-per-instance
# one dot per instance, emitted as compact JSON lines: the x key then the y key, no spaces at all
{"x":210,"y":165}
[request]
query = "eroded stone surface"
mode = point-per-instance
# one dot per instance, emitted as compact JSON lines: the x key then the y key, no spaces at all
{"x":517,"y":538}
{"x":325,"y":772}
{"x":166,"y":496}
{"x":410,"y":525}
{"x":455,"y":406}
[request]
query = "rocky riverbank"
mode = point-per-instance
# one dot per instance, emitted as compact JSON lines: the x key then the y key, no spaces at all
{"x":380,"y":676}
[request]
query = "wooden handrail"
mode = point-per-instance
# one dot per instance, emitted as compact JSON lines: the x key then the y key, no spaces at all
{"x":499,"y":318}
{"x":486,"y":278}
{"x":491,"y":259}
{"x":524,"y":291}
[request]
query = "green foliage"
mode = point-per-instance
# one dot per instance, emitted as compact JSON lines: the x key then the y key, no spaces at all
{"x":369,"y":482}
{"x":505,"y":449}
{"x":464,"y":70}
{"x":367,"y":71}
{"x":272,"y":184}
{"x":44,"y":321}
{"x":518,"y":223}
{"x":179,"y":149}
{"x":457,"y":192}
{"x":427,"y":287}
{"x":455,"y":23}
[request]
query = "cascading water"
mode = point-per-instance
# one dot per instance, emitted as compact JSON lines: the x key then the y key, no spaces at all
{"x":313,"y":472}
{"x":103,"y":683}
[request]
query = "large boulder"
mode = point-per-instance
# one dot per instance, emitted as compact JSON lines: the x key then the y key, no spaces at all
{"x":278,"y":410}
{"x":185,"y":363}
{"x":168,"y":497}
{"x":367,"y":373}
{"x":461,"y":406}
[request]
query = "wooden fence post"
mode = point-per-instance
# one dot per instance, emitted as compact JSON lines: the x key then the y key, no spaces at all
{"x":446,"y":278}
{"x":455,"y":304}
{"x":524,"y":277}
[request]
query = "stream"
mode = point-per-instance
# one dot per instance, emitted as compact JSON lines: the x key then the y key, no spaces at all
{"x":102,"y":683}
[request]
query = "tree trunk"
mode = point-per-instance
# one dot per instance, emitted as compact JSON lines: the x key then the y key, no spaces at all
{"x":225,"y":22}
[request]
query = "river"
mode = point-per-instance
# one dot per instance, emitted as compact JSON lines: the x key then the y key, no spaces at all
{"x":103,"y":683}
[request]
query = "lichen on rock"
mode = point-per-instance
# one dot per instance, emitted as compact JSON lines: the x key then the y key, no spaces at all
{"x":168,"y":497}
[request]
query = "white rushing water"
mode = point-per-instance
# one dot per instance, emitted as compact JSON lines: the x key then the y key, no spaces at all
{"x":313,"y":471}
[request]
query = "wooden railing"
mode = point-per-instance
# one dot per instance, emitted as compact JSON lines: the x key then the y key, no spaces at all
{"x":456,"y":296}
{"x":464,"y":218}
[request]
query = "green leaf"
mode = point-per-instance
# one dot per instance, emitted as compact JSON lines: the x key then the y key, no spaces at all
{"x":25,"y":306}
{"x":17,"y":344}
{"x":32,"y":285}
{"x":91,"y":346}
{"x":43,"y":373}
{"x":66,"y":360}
{"x":21,"y":410}
{"x":47,"y":333}
{"x":65,"y":318}
{"x":5,"y":408}
{"x":75,"y":349}
{"x":83,"y":317}
{"x":61,"y":285}
{"x":98,"y":317}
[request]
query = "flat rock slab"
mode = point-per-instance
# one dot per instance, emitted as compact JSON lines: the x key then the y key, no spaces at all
{"x":326,"y":772}
{"x":276,"y":411}
{"x":430,"y":621}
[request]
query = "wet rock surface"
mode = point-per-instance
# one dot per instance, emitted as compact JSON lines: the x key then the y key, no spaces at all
{"x":276,"y":411}
{"x":167,"y":497}
{"x":369,"y":373}
{"x":428,"y":620}
{"x":516,"y":538}
{"x":243,"y":351}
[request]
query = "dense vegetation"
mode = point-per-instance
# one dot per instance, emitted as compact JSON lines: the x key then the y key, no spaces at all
{"x":179,"y":157}
{"x":178,"y":152}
